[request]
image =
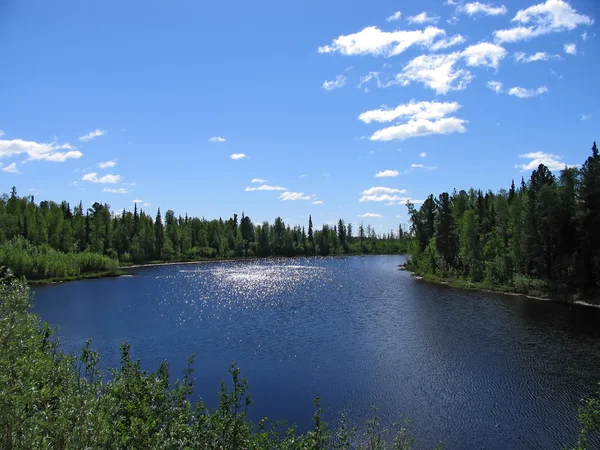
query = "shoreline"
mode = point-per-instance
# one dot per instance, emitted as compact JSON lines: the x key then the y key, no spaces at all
{"x":502,"y":290}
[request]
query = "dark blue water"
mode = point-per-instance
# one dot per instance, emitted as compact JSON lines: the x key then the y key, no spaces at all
{"x":471,"y":370}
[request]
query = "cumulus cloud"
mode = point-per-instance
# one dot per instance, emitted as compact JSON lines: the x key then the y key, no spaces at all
{"x":484,"y":54}
{"x":387,"y":173}
{"x":483,"y":8}
{"x":423,"y":18}
{"x":257,"y":180}
{"x":394,"y":17}
{"x":236,"y":156}
{"x":423,"y":155}
{"x":584,"y":36}
{"x":106,"y":164}
{"x":527,"y":93}
{"x":421,"y":119}
{"x":92,"y":135}
{"x":521,"y":57}
{"x":445,"y":43}
{"x":37,"y":151}
{"x":217,"y":139}
{"x":571,"y":49}
{"x":381,"y":194}
{"x":318,"y":202}
{"x":549,"y":17}
{"x":339,"y":82}
{"x":294,"y":196}
{"x":373,"y":41}
{"x":437,"y":72}
{"x":106,"y":179}
{"x":370,"y":215}
{"x":115,"y":191}
{"x":264,"y":187}
{"x":11,"y":168}
{"x":553,"y":162}
{"x":495,"y":86}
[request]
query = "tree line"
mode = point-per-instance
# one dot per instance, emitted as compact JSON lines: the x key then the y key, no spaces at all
{"x":49,"y":239}
{"x":540,"y":237}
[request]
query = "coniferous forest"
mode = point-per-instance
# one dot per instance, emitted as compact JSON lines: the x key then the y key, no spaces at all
{"x":51,"y":240}
{"x":539,"y":237}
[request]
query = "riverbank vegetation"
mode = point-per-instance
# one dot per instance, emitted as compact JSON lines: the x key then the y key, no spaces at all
{"x":52,"y":400}
{"x":540,"y":238}
{"x":53,"y":240}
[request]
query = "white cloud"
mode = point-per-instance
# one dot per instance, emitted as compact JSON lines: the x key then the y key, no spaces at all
{"x":106,"y":164}
{"x":339,"y":82}
{"x":423,"y":18}
{"x":106,"y":179}
{"x":539,"y":56}
{"x":445,"y":43}
{"x":552,"y":162}
{"x":237,"y":156}
{"x":257,"y":180}
{"x":571,"y":49}
{"x":586,"y":116}
{"x":387,"y":173}
{"x":420,"y":127}
{"x":146,"y":204}
{"x":137,"y":201}
{"x":537,"y":20}
{"x":413,"y":110}
{"x":527,"y":93}
{"x":370,"y":215}
{"x":484,"y":54}
{"x":451,"y":3}
{"x":1,"y":133}
{"x":217,"y":139}
{"x":92,"y":135}
{"x":381,"y":194}
{"x":422,"y":119}
{"x":495,"y":86}
{"x":264,"y":187}
{"x":483,"y":8}
{"x":318,"y":202}
{"x":38,"y":151}
{"x":373,"y":41}
{"x":394,"y":17}
{"x":584,"y":36}
{"x":302,"y":176}
{"x":294,"y":196}
{"x":414,"y":166}
{"x":115,"y":191}
{"x":437,"y":72}
{"x":423,"y":155}
{"x":11,"y":168}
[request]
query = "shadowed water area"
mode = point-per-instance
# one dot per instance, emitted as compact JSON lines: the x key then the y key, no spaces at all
{"x":470,"y":370}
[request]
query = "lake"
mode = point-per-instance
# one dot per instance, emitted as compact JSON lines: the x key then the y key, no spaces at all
{"x":470,"y":370}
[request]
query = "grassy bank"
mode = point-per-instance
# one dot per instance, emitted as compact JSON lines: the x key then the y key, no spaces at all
{"x":83,"y":276}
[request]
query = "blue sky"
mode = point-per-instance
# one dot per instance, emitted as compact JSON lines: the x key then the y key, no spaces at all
{"x":119,"y":101}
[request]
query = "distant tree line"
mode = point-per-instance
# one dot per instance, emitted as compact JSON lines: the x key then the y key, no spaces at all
{"x":543,"y":236}
{"x":48,"y":239}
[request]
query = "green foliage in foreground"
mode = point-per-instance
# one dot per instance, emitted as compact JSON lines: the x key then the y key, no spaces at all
{"x":49,"y":400}
{"x":540,"y":238}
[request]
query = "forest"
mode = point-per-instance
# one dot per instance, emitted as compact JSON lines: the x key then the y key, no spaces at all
{"x":51,"y":240}
{"x":539,"y":238}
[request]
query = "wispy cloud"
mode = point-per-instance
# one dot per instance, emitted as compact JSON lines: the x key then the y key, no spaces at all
{"x":339,"y":82}
{"x":38,"y":151}
{"x":115,"y":191}
{"x":527,"y":93}
{"x":237,"y":156}
{"x":294,"y":196}
{"x":423,"y":155}
{"x":264,"y":187}
{"x":387,"y":173}
{"x":92,"y":135}
{"x":370,"y":215}
{"x":138,"y":201}
{"x":106,"y":179}
{"x":11,"y":168}
{"x":396,"y":16}
{"x":552,"y":162}
{"x":106,"y":164}
{"x":549,"y":17}
{"x":571,"y":49}
{"x":521,"y":57}
{"x":495,"y":86}
{"x":586,"y":116}
{"x":381,"y":194}
{"x":423,"y":18}
{"x":217,"y":139}
{"x":258,"y":180}
{"x":414,"y":166}
{"x":318,"y":202}
{"x":1,"y":133}
{"x":483,"y":8}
